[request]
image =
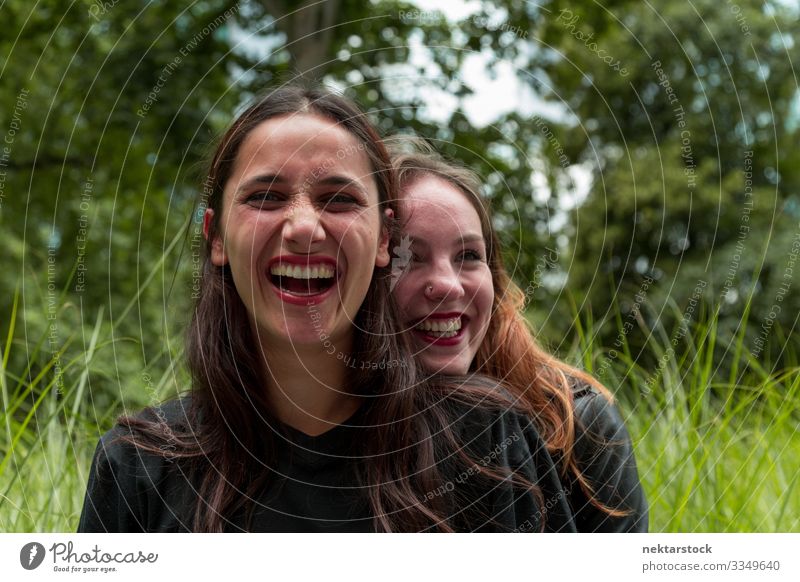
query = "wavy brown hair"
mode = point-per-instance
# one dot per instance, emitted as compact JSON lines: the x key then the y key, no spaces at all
{"x":226,"y":444}
{"x":510,"y":352}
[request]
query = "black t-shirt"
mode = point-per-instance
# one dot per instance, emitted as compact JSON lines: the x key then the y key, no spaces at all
{"x":314,"y":487}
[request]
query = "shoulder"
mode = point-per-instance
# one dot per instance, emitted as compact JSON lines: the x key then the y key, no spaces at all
{"x":596,"y":414}
{"x":496,"y":434}
{"x":129,"y":484}
{"x":490,"y":421}
{"x":477,"y":402}
{"x":604,"y":452}
{"x":121,"y":453}
{"x":174,"y":412}
{"x":167,"y":417}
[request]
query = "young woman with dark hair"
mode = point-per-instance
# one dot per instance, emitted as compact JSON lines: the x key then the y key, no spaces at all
{"x":465,"y":315}
{"x":306,"y":411}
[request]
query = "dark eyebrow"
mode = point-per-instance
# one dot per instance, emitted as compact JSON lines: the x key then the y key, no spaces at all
{"x":262,"y":179}
{"x":471,"y":238}
{"x":270,"y":179}
{"x":461,"y":240}
{"x":341,"y":182}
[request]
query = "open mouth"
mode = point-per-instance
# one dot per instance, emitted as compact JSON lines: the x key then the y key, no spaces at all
{"x":303,"y":280}
{"x":440,"y":328}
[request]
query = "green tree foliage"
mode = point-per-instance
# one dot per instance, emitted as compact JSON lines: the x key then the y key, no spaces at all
{"x":692,"y":152}
{"x":116,"y":105}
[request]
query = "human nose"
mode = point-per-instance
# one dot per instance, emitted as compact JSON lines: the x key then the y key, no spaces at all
{"x":302,"y":228}
{"x":444,"y":283}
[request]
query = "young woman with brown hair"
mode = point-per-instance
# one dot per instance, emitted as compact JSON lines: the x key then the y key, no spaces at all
{"x":465,"y":315}
{"x":306,"y":410}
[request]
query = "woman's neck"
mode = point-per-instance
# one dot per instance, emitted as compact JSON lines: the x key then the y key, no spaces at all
{"x":307,"y":388}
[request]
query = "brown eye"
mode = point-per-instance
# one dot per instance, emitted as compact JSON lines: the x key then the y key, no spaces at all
{"x":339,"y":201}
{"x":263,"y":198}
{"x":471,"y":255}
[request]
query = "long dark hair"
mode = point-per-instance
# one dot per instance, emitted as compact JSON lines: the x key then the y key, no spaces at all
{"x":226,"y":443}
{"x":510,"y":352}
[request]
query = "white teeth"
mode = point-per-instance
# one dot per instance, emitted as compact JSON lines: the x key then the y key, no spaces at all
{"x":441,"y":328}
{"x":449,"y":334}
{"x":442,"y":333}
{"x":298,"y":272}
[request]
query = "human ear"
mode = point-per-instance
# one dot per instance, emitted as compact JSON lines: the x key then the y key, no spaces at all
{"x":382,"y":259}
{"x":218,"y":256}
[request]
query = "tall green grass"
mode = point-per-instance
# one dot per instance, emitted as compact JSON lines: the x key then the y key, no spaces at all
{"x":59,"y":397}
{"x":52,"y":416}
{"x":718,"y":450}
{"x":717,"y":446}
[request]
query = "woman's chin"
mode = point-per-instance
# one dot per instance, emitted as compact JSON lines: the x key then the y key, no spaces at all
{"x":300,"y":332}
{"x":455,"y":365}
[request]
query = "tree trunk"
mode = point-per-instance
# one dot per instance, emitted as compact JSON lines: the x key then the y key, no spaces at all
{"x":309,"y":31}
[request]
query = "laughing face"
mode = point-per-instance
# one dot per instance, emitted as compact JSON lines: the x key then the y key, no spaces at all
{"x":446,"y":293}
{"x":300,"y":230}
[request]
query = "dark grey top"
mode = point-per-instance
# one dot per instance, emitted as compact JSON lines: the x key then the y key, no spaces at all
{"x":605,"y":455}
{"x":315,"y":488}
